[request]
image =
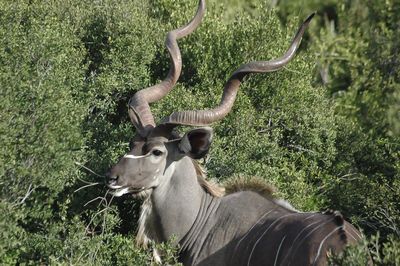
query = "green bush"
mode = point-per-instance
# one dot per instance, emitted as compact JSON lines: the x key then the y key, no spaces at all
{"x":68,"y":69}
{"x":356,"y":46}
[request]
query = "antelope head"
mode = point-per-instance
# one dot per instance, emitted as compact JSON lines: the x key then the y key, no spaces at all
{"x":156,"y":148}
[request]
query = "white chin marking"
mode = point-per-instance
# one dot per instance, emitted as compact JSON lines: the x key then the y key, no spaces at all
{"x":114,"y":187}
{"x":120,"y":192}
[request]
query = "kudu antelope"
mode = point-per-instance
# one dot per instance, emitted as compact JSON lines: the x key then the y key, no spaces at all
{"x":242,"y":228}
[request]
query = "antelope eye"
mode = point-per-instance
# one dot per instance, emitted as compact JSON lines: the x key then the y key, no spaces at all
{"x":156,"y":152}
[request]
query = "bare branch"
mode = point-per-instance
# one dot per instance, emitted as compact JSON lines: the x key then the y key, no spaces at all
{"x":90,"y":170}
{"x":89,"y":185}
{"x":27,"y":194}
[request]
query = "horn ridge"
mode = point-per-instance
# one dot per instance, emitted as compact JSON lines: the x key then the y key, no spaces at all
{"x":139,"y":109}
{"x":206,"y":117}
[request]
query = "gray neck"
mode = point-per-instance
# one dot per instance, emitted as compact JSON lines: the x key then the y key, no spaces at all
{"x":176,"y":202}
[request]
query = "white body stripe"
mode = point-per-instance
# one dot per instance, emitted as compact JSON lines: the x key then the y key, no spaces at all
{"x":309,"y":233}
{"x":302,"y":230}
{"x":322,"y":242}
{"x":279,"y":248}
{"x":248,"y":232}
{"x":311,"y":216}
{"x":356,"y":232}
{"x":298,"y":235}
{"x":258,"y":240}
{"x":348,"y":233}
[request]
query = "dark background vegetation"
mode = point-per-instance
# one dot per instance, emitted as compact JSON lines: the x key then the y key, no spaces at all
{"x":324,"y":130}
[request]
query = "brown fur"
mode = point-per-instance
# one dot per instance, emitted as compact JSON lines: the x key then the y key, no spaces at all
{"x":208,"y":186}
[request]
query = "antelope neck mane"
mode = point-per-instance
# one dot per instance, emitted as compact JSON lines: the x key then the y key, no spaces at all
{"x":208,"y":186}
{"x":255,"y":184}
{"x":235,"y":184}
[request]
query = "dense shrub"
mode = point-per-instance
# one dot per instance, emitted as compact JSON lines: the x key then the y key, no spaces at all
{"x":325,"y":140}
{"x":357,"y":50}
{"x":58,"y":100}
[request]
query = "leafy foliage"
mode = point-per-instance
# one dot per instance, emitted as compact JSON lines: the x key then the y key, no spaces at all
{"x":324,"y":131}
{"x":357,"y":49}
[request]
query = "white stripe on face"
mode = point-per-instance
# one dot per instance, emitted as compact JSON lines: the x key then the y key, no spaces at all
{"x":130,"y":156}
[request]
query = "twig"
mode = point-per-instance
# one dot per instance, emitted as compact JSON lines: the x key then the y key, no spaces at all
{"x":104,"y":216}
{"x":89,"y":185}
{"x":347,"y":175}
{"x":90,"y":170}
{"x":107,"y":205}
{"x":90,"y":201}
{"x":28,"y":193}
{"x":94,"y":216}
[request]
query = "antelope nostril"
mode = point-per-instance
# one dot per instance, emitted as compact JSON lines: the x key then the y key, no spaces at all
{"x":111,"y":179}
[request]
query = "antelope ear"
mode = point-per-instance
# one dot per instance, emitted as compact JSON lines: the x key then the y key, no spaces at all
{"x":196,"y":143}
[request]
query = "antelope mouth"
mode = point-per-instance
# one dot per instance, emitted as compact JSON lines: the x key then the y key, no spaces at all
{"x":118,"y":191}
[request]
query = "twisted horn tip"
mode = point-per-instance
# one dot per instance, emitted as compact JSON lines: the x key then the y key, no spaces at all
{"x":309,"y":18}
